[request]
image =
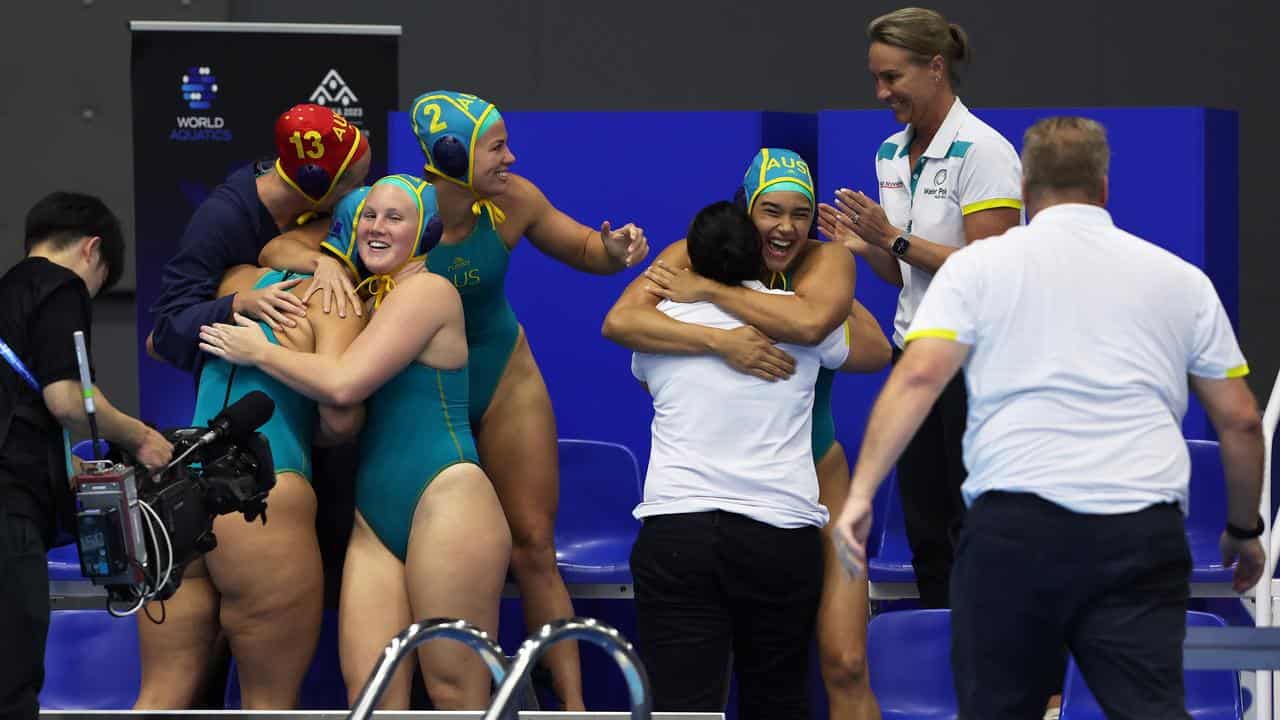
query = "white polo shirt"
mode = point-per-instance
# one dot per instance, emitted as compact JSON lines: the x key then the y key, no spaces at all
{"x":1083,"y":336}
{"x":725,"y":440}
{"x":968,"y":167}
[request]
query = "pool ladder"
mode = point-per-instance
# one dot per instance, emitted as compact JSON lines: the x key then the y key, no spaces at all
{"x":508,"y":682}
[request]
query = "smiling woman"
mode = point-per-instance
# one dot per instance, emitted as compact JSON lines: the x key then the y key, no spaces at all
{"x":484,"y":210}
{"x":945,"y":180}
{"x":429,"y":538}
{"x":814,"y":283}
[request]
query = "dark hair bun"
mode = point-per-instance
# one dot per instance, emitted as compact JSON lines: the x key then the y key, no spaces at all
{"x":961,"y":52}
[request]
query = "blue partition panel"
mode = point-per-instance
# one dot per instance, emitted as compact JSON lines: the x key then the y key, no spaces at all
{"x":1174,"y":182}
{"x":654,"y":169}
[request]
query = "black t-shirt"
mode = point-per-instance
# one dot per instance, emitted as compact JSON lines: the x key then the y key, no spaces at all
{"x":41,"y":305}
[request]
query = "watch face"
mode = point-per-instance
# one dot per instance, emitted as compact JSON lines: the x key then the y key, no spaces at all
{"x":900,"y":246}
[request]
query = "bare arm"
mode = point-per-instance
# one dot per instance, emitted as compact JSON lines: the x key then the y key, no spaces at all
{"x":913,"y":387}
{"x":1234,"y":413}
{"x":296,"y":250}
{"x":602,"y":252}
{"x":334,"y":334}
{"x":872,"y":225}
{"x":300,"y":250}
{"x":883,"y":264}
{"x":929,"y":256}
{"x":824,"y":283}
{"x":635,"y":322}
{"x":395,"y":337}
{"x":869,"y":349}
{"x":65,"y":402}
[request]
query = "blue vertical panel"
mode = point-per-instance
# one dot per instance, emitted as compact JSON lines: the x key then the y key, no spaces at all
{"x":404,"y":154}
{"x":1222,"y":207}
{"x":1173,"y":182}
{"x":652,"y":168}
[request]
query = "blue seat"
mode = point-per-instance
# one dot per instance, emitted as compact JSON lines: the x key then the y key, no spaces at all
{"x":892,"y":560}
{"x":599,"y":487}
{"x":323,"y":687}
{"x":84,"y":449}
{"x":1211,"y":694}
{"x":909,"y":657}
{"x":91,"y":662}
{"x":64,"y":563}
{"x":1207,"y":513}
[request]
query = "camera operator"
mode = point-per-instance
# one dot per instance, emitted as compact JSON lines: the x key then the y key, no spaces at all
{"x":75,"y":250}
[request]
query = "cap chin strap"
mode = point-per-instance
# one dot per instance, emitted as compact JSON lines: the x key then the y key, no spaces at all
{"x":495,"y":212}
{"x":379,"y":286}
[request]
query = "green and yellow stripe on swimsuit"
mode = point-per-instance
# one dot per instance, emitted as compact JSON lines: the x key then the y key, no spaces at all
{"x":292,"y":425}
{"x":478,"y":268}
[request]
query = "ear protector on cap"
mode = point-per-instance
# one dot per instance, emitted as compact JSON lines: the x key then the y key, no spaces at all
{"x":452,"y":156}
{"x":312,"y":179}
{"x":431,"y":235}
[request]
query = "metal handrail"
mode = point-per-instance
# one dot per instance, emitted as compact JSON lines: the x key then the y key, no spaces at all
{"x":1266,"y":686}
{"x":594,"y":631}
{"x":409,"y":639}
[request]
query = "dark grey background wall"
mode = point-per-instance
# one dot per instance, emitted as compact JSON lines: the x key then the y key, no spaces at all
{"x":65,"y":122}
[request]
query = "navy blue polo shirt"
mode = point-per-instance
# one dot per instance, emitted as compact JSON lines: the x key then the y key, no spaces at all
{"x":229,"y":228}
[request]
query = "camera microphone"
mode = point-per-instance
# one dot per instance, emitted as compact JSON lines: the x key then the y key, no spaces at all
{"x":239,"y":418}
{"x":236,"y":421}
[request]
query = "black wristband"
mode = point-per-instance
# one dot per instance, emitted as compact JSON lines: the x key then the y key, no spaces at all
{"x":1240,"y":533}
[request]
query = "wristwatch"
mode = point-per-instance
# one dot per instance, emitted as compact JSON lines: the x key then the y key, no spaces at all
{"x":1240,"y":533}
{"x":900,"y":245}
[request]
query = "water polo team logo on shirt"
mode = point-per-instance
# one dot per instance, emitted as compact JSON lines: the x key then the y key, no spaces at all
{"x":199,"y":87}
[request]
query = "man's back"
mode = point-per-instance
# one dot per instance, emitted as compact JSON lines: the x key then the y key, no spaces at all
{"x":1083,"y":337}
{"x":44,"y":304}
{"x":730,"y":441}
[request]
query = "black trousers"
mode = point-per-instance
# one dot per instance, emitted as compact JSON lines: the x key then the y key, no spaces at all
{"x":1032,"y":577}
{"x":24,"y":615}
{"x":930,"y":473}
{"x":714,"y":586}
